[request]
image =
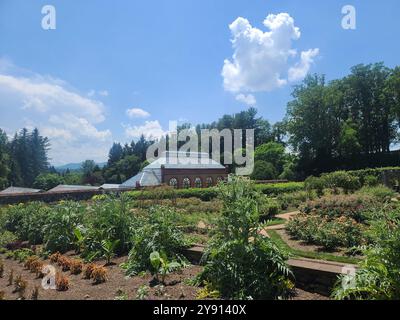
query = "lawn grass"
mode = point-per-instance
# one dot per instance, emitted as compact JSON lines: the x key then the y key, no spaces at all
{"x":275,"y":222}
{"x":306,"y":254}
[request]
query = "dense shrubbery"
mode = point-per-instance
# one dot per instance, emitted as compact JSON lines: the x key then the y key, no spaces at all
{"x":333,"y":221}
{"x":295,"y":199}
{"x":155,"y":231}
{"x":240,"y":263}
{"x":378,"y":277}
{"x":207,"y":194}
{"x":62,"y":220}
{"x":108,"y":220}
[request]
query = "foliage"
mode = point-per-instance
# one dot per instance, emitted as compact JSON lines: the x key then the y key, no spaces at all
{"x":333,"y":221}
{"x":345,"y":123}
{"x":157,"y":231}
{"x":341,"y":179}
{"x":61,"y":223}
{"x":109,"y":222}
{"x":99,"y":274}
{"x":62,"y":282}
{"x":379,"y":192}
{"x":76,"y":266}
{"x":108,"y":249}
{"x":142,"y":292}
{"x":264,"y":170}
{"x":315,"y":183}
{"x":295,"y":199}
{"x":162,"y":266}
{"x":47,"y":181}
{"x":7,"y":237}
{"x":378,"y":277}
{"x":240,"y":263}
{"x":20,"y":286}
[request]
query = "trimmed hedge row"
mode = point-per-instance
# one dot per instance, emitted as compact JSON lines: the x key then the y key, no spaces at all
{"x":364,"y":173}
{"x":208,"y":194}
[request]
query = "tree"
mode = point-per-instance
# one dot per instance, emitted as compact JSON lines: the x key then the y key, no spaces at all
{"x":47,"y":181}
{"x":348,"y":140}
{"x":4,"y":160}
{"x":116,"y":153}
{"x":273,"y":153}
{"x":264,"y":170}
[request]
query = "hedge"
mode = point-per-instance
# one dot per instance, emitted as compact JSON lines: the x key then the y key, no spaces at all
{"x":208,"y":194}
{"x":377,"y":172}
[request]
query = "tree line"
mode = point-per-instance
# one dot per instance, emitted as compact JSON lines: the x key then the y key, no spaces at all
{"x":348,"y":123}
{"x":23,"y":157}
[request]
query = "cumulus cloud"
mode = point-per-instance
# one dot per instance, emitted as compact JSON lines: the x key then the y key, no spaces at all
{"x":263,"y":60}
{"x":150,"y":130}
{"x":300,"y":70}
{"x":68,"y":118}
{"x":137,"y":113}
{"x":247,"y":99}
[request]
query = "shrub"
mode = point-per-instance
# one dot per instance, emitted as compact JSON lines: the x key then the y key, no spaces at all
{"x":295,"y":199}
{"x":7,"y":237}
{"x":64,"y":263}
{"x":315,"y":183}
{"x":157,"y":231}
{"x":342,"y":179}
{"x":76,"y":266}
{"x":37,"y":267}
{"x":54,"y":257}
{"x":99,"y":274}
{"x":371,"y":181}
{"x":62,"y":282}
{"x":378,"y":275}
{"x":264,"y":170}
{"x":88,"y":271}
{"x":109,"y":222}
{"x":379,"y":192}
{"x":62,"y":221}
{"x":20,"y":286}
{"x":268,"y":208}
{"x":240,"y":263}
{"x":29,"y":261}
{"x":27,"y":221}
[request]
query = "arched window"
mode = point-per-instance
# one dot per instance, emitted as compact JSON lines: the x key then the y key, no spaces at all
{"x":198,"y":183}
{"x":173,"y":182}
{"x":186,"y":183}
{"x":209,"y":182}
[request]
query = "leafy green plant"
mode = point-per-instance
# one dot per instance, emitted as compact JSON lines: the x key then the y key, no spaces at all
{"x":108,"y":249}
{"x":7,"y":237}
{"x":62,"y":220}
{"x":157,"y":231}
{"x":142,"y":292}
{"x":162,"y":266}
{"x":378,"y":277}
{"x":239,"y":262}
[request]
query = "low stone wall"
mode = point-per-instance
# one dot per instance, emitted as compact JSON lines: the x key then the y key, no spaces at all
{"x":76,"y":195}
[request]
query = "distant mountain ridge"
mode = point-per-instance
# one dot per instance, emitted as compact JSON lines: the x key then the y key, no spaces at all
{"x":76,"y":166}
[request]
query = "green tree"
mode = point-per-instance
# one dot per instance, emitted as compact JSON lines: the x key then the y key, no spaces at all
{"x":4,"y":160}
{"x":47,"y":181}
{"x":264,"y":170}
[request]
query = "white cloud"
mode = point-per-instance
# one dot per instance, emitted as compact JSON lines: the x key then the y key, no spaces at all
{"x":150,"y":130}
{"x":104,"y":93}
{"x":247,"y":99}
{"x":261,"y":60}
{"x":137,"y":113}
{"x":68,"y":118}
{"x":92,"y":93}
{"x":300,"y":70}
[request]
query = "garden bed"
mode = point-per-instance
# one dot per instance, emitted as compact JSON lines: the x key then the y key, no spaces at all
{"x":116,"y":286}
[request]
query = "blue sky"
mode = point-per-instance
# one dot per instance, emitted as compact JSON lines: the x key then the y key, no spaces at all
{"x":164,"y":60}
